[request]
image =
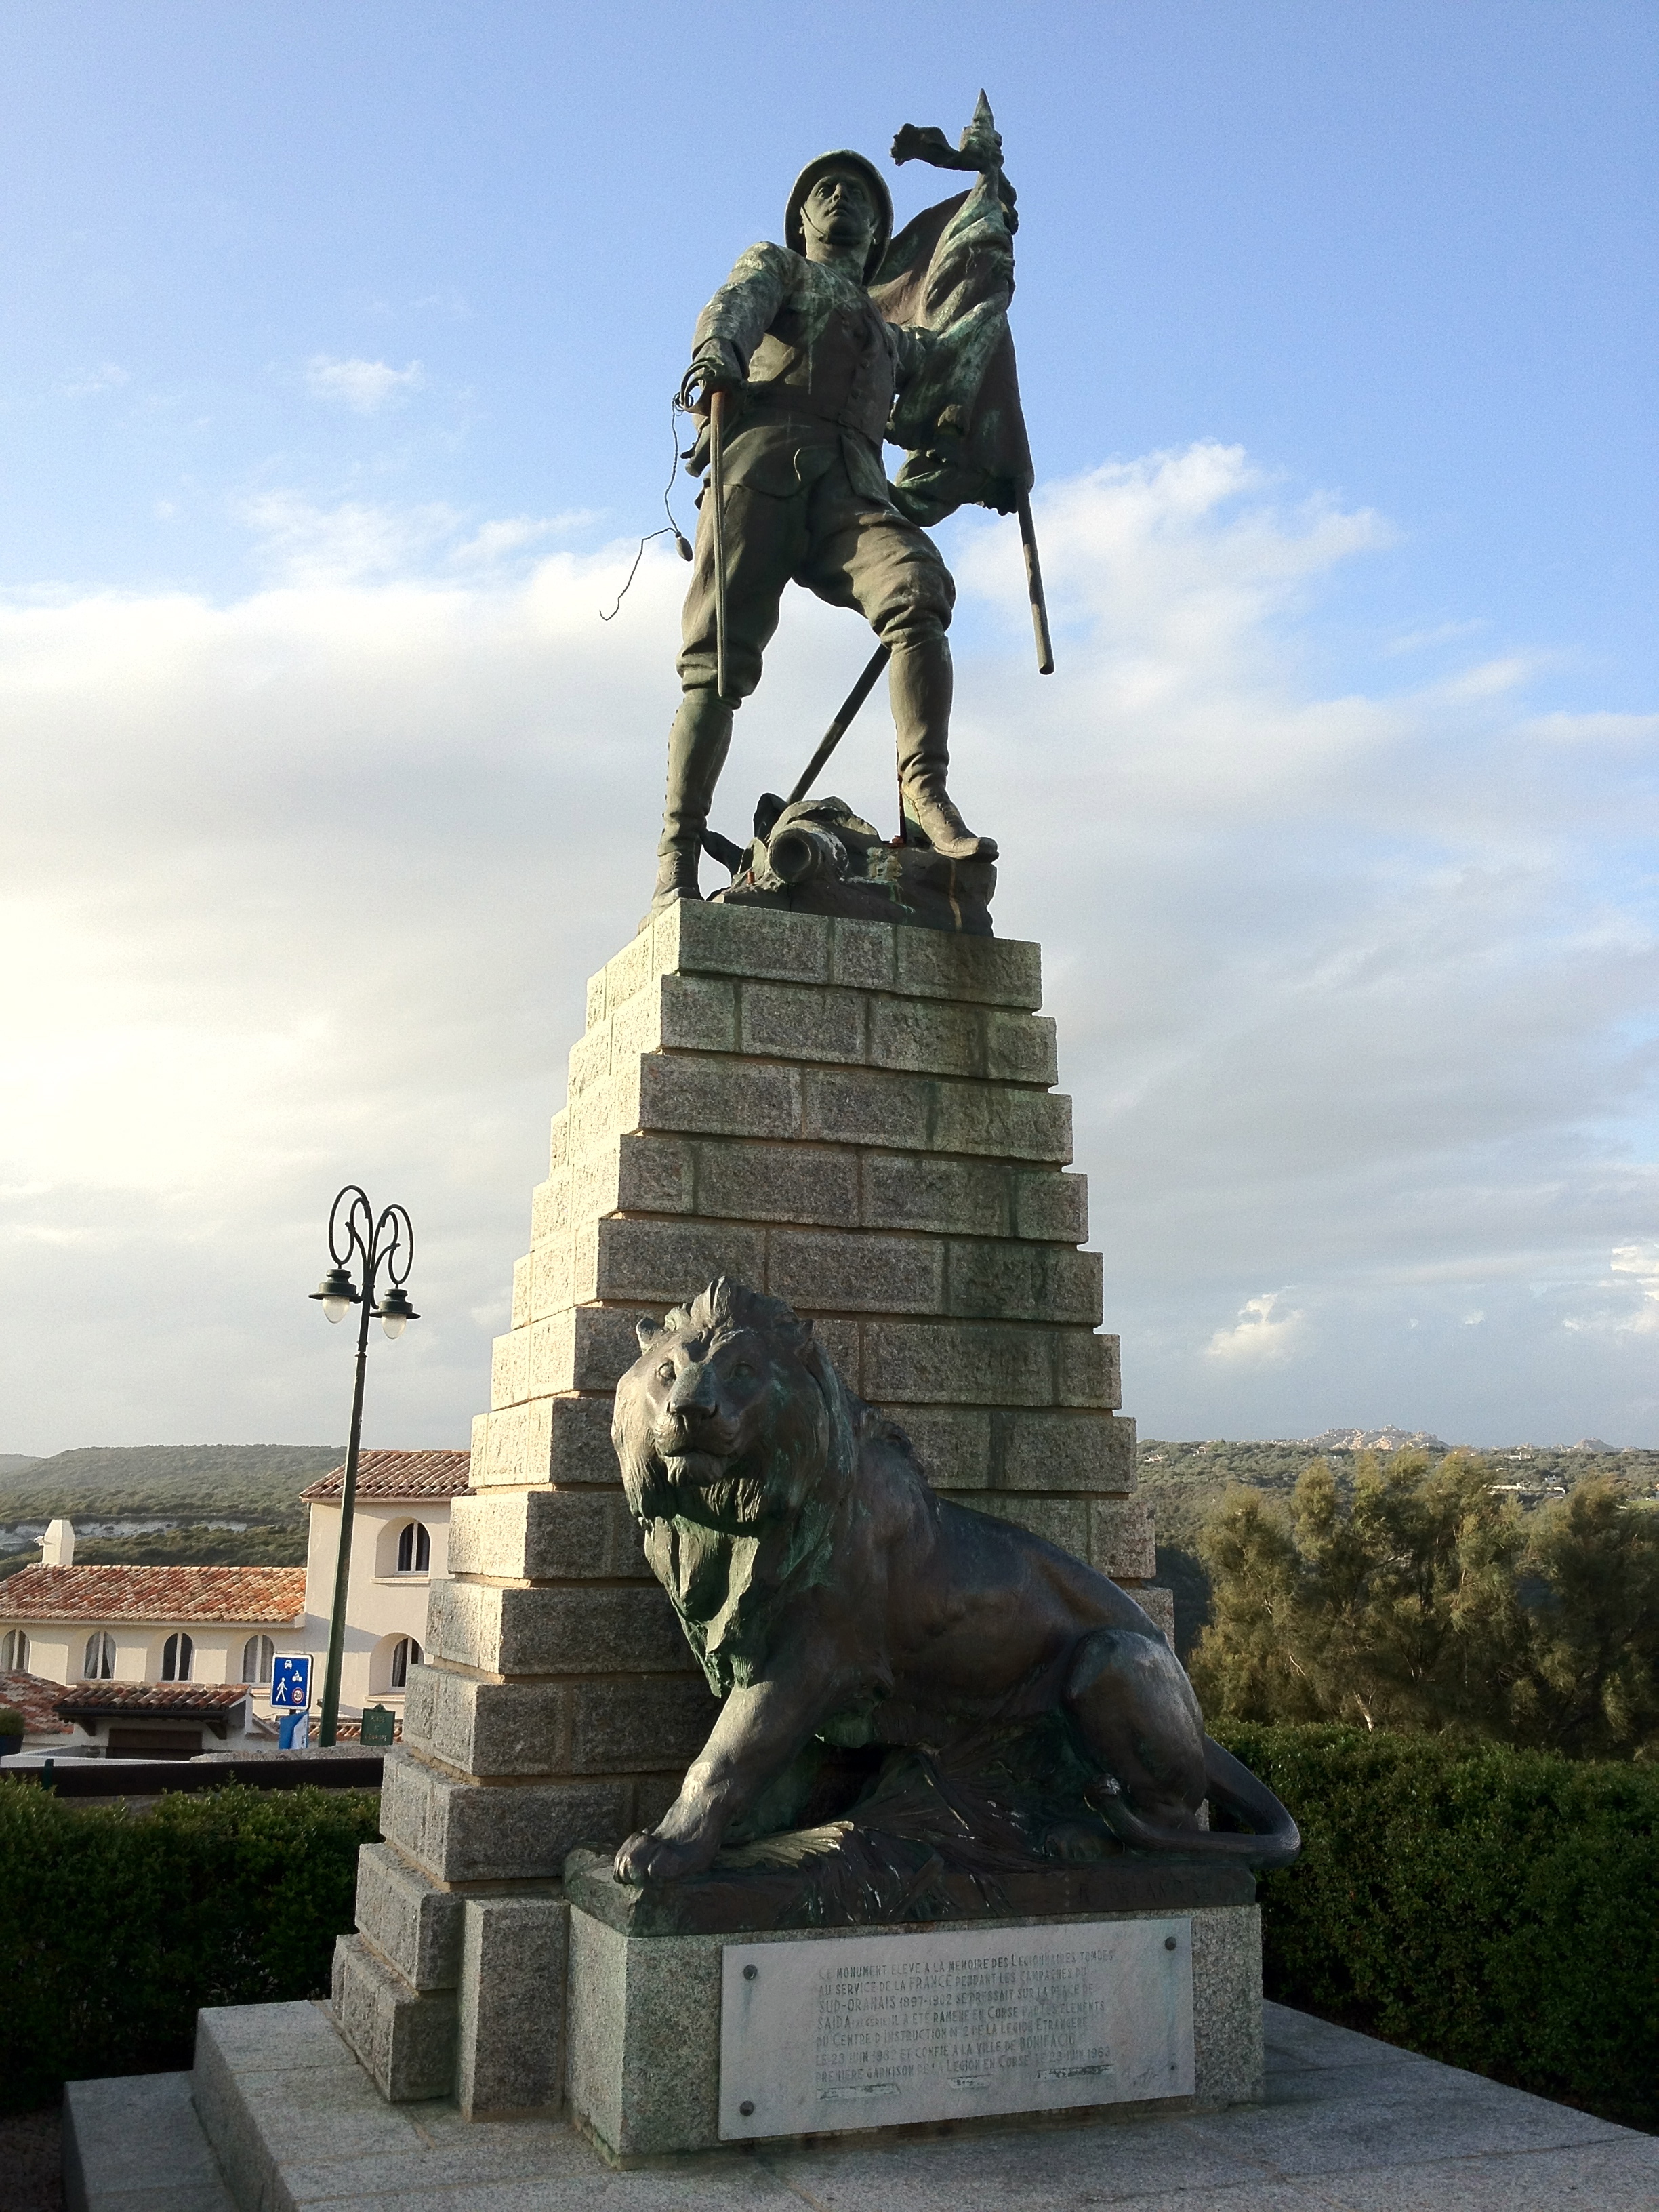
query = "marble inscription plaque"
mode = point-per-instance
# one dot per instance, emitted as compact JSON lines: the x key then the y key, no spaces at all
{"x":876,"y":2030}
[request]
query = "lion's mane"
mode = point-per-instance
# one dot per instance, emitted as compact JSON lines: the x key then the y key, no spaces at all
{"x":733,"y":1551}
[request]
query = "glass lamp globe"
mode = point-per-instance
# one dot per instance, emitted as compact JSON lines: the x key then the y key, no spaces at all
{"x":336,"y":1294}
{"x":396,"y":1312}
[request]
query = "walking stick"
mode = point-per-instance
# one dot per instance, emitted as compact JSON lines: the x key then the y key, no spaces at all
{"x":1045,"y":644}
{"x":843,"y":722}
{"x":717,"y":490}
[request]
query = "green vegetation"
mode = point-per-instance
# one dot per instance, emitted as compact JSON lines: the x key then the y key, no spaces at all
{"x":1185,"y":1483}
{"x":1424,"y":1600}
{"x":182,"y":1486}
{"x":157,"y":1482}
{"x":1496,"y":1909}
{"x":114,"y":1929}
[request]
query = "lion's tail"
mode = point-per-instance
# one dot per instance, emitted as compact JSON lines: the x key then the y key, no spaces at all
{"x":1232,"y":1786}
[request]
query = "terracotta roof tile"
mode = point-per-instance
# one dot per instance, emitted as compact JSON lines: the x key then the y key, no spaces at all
{"x":213,"y":1698}
{"x":411,"y":1474}
{"x":36,"y":1700}
{"x":112,"y":1593}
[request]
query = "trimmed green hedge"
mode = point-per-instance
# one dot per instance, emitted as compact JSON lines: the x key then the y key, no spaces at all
{"x":116,"y":1928}
{"x":1493,"y":1908}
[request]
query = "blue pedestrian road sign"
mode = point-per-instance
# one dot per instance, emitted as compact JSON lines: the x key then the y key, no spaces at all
{"x":290,"y":1681}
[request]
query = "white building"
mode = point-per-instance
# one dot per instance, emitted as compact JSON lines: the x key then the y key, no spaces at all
{"x":166,"y":1662}
{"x":152,"y":1655}
{"x":399,"y":1546}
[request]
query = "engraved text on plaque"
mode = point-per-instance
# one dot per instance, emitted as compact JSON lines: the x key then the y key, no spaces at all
{"x":865,"y":2031}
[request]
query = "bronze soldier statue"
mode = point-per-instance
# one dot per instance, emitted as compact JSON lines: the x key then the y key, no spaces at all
{"x":815,"y":375}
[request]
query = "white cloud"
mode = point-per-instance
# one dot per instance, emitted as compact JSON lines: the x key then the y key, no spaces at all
{"x":365,"y":386}
{"x":108,"y":376}
{"x":1641,"y":1262}
{"x":1354,"y":992}
{"x":1260,"y":1334}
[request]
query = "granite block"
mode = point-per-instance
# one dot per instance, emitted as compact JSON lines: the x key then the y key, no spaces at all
{"x":997,"y":971}
{"x":787,"y":1021}
{"x":685,"y":1013}
{"x":1003,"y":1279}
{"x":645,"y":2029}
{"x":494,"y":1729}
{"x":1061,"y":1520}
{"x":953,"y":1444}
{"x":546,"y":1535}
{"x":1121,"y":1541}
{"x":639,"y":1174}
{"x":589,"y":1059}
{"x":509,"y":1370}
{"x":562,"y":1629}
{"x":550,"y":1209}
{"x":1085,"y":1450}
{"x":511,"y":2043}
{"x":551,"y":1279}
{"x":849,"y":1106}
{"x":458,"y":1832}
{"x":927,"y":1036}
{"x":414,"y":1925}
{"x":959,"y":1363}
{"x":906,"y":1190}
{"x":694,"y":1096}
{"x":642,"y":1725}
{"x":404,"y":2038}
{"x":861,"y":954}
{"x":1085,"y":1369}
{"x":858,"y":1271}
{"x":694,"y":937}
{"x":1021,"y":1049}
{"x":787,"y":1182}
{"x":660,"y":1262}
{"x":133,"y":2144}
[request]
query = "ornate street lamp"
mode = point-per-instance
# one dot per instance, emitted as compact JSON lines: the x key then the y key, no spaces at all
{"x":386,"y":1241}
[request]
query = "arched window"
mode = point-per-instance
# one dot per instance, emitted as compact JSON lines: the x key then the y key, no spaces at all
{"x":14,"y":1652}
{"x":258,"y":1653}
{"x":177,"y":1654}
{"x":414,"y":1549}
{"x":405,"y":1654}
{"x":101,"y":1658}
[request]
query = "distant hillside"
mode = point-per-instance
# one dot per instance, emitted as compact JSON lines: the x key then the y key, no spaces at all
{"x":188,"y":1483}
{"x":15,"y":1462}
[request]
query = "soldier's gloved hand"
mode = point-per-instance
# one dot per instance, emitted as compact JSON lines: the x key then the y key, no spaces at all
{"x":711,"y":371}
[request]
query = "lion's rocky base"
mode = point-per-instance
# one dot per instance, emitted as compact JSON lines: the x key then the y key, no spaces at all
{"x":858,"y":1117}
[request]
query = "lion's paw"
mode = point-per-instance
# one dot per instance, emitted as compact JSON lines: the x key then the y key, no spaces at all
{"x":651,"y":1857}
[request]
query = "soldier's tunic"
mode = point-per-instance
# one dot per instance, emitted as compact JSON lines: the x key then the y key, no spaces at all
{"x":806,"y":497}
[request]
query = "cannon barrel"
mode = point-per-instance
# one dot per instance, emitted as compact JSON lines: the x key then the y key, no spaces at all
{"x":800,"y":851}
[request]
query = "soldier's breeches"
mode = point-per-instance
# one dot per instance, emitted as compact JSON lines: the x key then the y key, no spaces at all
{"x":847,"y":550}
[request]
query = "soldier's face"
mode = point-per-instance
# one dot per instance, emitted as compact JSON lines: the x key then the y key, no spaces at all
{"x":838,"y":214}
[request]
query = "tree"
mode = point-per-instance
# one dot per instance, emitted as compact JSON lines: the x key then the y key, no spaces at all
{"x":1427,"y":1601}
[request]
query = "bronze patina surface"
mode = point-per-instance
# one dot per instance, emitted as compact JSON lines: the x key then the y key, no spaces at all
{"x":818,"y":350}
{"x":921,"y":1702}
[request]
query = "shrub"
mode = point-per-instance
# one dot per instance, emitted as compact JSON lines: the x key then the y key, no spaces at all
{"x":115,"y":1929}
{"x":1496,"y":1908}
{"x":12,"y":1722}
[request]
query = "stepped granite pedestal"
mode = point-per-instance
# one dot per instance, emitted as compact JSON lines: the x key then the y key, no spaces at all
{"x":859,"y":1117}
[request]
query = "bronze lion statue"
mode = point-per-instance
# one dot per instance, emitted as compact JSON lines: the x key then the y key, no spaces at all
{"x":833,"y":1597}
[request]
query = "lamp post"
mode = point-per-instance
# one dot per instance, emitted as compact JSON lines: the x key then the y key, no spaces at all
{"x":383,"y":1241}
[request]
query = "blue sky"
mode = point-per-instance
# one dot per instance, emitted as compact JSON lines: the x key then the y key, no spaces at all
{"x":336,"y":339}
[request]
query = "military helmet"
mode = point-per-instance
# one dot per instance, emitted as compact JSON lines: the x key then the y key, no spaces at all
{"x":881,"y":200}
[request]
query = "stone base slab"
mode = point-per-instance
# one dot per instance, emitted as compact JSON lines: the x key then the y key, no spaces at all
{"x":645,"y":2024}
{"x":1347,"y":2121}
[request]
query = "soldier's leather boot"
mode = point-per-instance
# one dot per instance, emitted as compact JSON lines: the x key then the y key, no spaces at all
{"x":697,"y":745}
{"x":919,"y":683}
